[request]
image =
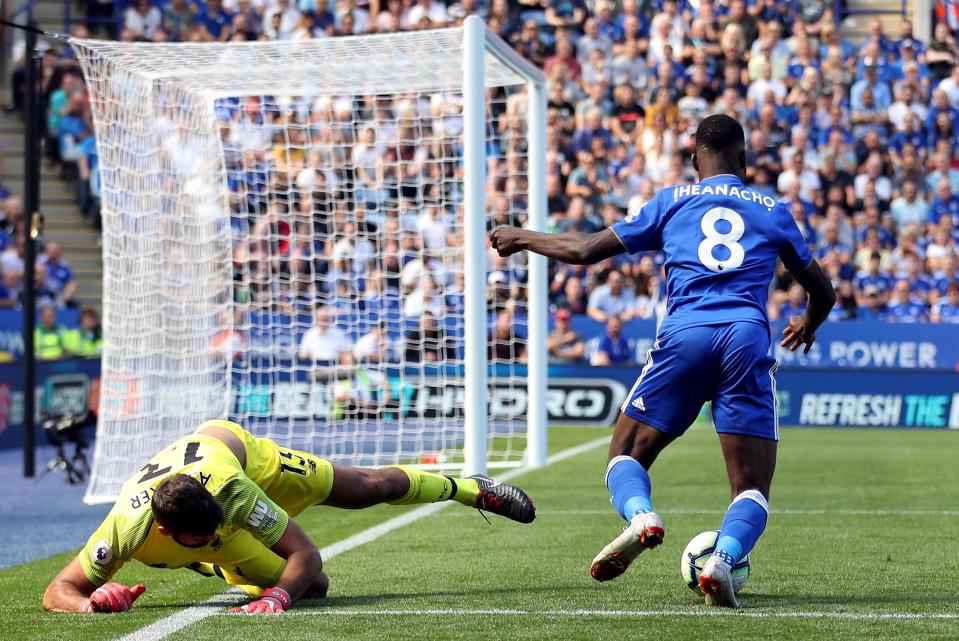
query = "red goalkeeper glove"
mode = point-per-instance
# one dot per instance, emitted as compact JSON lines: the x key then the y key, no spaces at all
{"x":113,"y":597}
{"x":272,"y":601}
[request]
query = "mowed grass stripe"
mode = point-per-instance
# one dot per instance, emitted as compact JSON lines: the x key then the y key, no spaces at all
{"x":772,"y":511}
{"x":637,"y":614}
{"x":177,"y":621}
{"x":844,"y":567}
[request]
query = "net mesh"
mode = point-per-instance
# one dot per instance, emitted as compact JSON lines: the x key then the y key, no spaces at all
{"x":283,"y":246}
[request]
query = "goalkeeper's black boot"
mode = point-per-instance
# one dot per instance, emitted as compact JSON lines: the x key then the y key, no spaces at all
{"x":504,"y":499}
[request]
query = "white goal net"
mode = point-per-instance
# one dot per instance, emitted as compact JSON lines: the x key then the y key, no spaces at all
{"x":288,"y":243}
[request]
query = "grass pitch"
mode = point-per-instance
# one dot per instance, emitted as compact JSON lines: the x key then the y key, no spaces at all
{"x":861,"y":544}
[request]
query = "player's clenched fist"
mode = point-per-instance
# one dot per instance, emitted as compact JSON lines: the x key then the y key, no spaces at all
{"x":506,"y":240}
{"x":113,"y":597}
{"x":272,"y":601}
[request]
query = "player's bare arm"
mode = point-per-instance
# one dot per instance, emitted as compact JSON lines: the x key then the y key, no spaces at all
{"x":801,"y":330}
{"x":72,"y":591}
{"x":302,"y":575}
{"x":575,"y":248}
{"x":69,"y":590}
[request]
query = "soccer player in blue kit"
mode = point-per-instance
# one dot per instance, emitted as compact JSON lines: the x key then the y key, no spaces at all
{"x":721,"y":241}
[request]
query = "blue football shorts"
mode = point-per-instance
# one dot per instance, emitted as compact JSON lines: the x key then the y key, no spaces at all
{"x":727,"y":364}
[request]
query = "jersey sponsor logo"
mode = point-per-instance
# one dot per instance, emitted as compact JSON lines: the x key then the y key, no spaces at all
{"x":258,"y":514}
{"x":269,"y":521}
{"x":102,"y":553}
{"x":262,"y":517}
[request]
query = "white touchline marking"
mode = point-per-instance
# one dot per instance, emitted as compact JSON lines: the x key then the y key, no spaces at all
{"x":772,"y":512}
{"x":177,"y":621}
{"x":168,"y":625}
{"x":700,"y":612}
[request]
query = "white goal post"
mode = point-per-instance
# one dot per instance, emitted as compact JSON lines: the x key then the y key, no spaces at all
{"x":296,"y":237}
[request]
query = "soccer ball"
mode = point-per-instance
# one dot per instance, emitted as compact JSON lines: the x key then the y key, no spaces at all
{"x":696,"y":554}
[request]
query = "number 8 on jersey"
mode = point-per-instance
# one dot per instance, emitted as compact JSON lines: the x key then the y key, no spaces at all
{"x":715,"y":238}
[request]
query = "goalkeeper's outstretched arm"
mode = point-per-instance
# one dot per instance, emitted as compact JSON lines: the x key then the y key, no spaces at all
{"x":571,"y":247}
{"x":70,"y":590}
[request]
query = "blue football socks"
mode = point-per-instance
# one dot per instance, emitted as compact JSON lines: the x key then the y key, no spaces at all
{"x":629,"y":486}
{"x":743,"y":524}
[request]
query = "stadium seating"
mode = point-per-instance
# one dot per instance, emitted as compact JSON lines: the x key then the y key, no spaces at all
{"x":859,"y":140}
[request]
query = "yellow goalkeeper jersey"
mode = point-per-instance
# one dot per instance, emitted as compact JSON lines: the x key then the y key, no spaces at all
{"x":253,"y":520}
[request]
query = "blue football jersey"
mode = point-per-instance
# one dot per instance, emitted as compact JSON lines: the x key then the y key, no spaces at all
{"x":883,"y":282}
{"x":947,"y":313}
{"x":721,"y":240}
{"x":910,"y":312}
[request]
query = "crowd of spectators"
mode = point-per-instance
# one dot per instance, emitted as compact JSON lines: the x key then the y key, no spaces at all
{"x":54,"y":282}
{"x":859,"y":141}
{"x":65,"y":125}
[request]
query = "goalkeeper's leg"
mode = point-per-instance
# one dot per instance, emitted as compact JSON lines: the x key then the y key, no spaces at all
{"x":355,"y":488}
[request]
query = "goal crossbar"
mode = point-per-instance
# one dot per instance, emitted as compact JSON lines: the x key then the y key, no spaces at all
{"x":379,"y":63}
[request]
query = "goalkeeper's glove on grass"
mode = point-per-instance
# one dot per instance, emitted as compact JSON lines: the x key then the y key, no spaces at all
{"x":113,"y":597}
{"x":272,"y":601}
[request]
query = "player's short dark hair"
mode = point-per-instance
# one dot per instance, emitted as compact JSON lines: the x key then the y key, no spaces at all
{"x":182,"y":505}
{"x":720,"y":134}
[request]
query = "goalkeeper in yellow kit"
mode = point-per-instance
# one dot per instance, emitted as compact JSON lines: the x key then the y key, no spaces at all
{"x":220,"y":501}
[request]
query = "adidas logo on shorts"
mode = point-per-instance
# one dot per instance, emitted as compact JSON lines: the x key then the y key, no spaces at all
{"x":638,"y":404}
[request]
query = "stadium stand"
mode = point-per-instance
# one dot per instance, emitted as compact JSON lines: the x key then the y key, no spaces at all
{"x":859,"y":141}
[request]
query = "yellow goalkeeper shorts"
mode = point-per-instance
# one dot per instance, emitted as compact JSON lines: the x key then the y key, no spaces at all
{"x":245,"y":562}
{"x":293,"y":479}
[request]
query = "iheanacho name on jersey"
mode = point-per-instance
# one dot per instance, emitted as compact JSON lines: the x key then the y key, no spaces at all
{"x":722,"y":190}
